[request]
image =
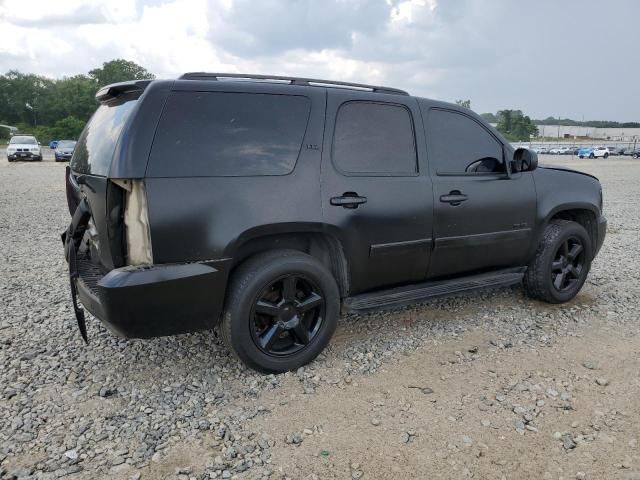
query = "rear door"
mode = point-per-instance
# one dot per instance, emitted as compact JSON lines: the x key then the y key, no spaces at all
{"x":483,"y":214}
{"x":374,"y":195}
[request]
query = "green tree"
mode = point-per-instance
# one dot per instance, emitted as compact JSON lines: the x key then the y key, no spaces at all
{"x":119,"y":70}
{"x":464,"y":103}
{"x":516,"y":126}
{"x":22,"y":97}
{"x":69,"y":128}
{"x":489,"y":117}
{"x":71,"y":96}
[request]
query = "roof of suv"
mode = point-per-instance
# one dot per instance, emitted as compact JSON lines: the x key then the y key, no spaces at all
{"x":312,"y":82}
{"x":108,"y":92}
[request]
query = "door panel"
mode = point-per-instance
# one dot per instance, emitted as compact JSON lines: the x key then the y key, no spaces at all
{"x":386,"y":234}
{"x":482,"y":219}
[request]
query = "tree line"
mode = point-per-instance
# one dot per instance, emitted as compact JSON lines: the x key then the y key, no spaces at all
{"x":513,"y":124}
{"x":53,"y":109}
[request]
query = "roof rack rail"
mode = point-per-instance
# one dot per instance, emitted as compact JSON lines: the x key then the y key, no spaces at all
{"x":313,"y":82}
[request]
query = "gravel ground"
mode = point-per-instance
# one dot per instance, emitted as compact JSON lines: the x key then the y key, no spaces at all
{"x":182,"y":407}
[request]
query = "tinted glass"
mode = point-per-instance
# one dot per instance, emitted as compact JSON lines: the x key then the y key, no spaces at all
{"x":459,"y":144}
{"x":374,"y":138}
{"x":228,"y":134}
{"x":97,"y":143}
{"x":23,"y":140}
{"x":66,"y":144}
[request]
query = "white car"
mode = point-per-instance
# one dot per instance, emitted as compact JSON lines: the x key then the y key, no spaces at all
{"x":540,"y":149}
{"x":23,"y":147}
{"x":563,"y":150}
{"x":600,"y":152}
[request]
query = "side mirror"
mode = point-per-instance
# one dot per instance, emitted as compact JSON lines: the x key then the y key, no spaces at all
{"x":524,"y":160}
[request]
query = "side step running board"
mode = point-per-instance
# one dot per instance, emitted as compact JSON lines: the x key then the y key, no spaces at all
{"x":406,"y":295}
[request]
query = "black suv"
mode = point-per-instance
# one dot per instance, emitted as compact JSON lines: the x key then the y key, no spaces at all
{"x":263,"y":204}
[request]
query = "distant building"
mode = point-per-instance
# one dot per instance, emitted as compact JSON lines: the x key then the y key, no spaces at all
{"x":614,"y":134}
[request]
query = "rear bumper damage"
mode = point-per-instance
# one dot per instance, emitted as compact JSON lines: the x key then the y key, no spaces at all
{"x":154,"y":300}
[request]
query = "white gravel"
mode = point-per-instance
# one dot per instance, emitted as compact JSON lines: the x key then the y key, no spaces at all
{"x":116,"y":406}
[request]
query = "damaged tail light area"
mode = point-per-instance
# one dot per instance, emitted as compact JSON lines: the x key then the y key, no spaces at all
{"x":136,"y":221}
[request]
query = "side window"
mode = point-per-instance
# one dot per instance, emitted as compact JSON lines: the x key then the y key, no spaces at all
{"x":458,"y":145}
{"x":228,"y":134}
{"x":374,"y":138}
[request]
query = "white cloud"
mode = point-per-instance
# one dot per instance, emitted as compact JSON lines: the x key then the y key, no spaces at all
{"x":499,"y":53}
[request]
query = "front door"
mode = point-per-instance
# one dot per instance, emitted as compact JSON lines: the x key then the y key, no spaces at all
{"x":374,"y":197}
{"x":483,"y":214}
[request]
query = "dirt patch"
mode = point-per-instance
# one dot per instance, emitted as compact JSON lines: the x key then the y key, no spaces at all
{"x":481,"y":411}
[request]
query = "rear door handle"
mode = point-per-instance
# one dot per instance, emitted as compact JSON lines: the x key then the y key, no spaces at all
{"x":454,"y":198}
{"x":348,"y":200}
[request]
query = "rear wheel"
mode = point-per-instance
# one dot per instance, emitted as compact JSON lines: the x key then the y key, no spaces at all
{"x":281,"y":311}
{"x":606,"y":155}
{"x":561,"y":264}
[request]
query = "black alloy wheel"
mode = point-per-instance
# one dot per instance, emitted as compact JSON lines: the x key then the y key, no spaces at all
{"x":281,"y":310}
{"x":561,"y":263}
{"x":568,"y":264}
{"x":286,"y":315}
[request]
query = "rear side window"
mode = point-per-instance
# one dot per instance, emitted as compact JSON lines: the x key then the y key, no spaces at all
{"x":228,"y":134}
{"x":460,"y":145}
{"x":97,"y":143}
{"x":374,"y":138}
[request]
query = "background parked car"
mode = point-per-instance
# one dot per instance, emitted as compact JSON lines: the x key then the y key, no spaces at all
{"x":64,"y":150}
{"x":53,"y":144}
{"x":561,"y":151}
{"x":593,"y":152}
{"x":636,"y":153}
{"x":23,"y":147}
{"x":615,"y":150}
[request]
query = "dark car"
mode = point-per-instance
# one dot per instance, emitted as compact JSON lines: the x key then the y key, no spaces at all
{"x":261,"y":205}
{"x":616,"y":150}
{"x":64,"y":150}
{"x":635,"y":153}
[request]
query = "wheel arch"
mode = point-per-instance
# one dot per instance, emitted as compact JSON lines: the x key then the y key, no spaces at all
{"x":315,"y":239}
{"x":583,"y":214}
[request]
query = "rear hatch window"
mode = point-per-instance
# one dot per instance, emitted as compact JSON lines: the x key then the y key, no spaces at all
{"x":96,"y":146}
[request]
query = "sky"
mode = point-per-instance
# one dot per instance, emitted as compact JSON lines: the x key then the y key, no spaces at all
{"x":569,"y":58}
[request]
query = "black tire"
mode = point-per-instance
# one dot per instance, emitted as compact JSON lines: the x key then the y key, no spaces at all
{"x":9,"y":160}
{"x":580,"y":156}
{"x":606,"y":155}
{"x":246,"y":331}
{"x":635,"y":155}
{"x":591,"y":155}
{"x":542,"y":280}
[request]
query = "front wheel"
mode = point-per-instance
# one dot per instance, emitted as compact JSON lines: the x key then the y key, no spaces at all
{"x":561,"y":264}
{"x":606,"y":155}
{"x":281,"y":311}
{"x":635,"y":155}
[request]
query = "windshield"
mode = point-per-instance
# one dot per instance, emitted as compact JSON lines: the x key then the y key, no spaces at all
{"x":66,"y":144}
{"x":23,"y":140}
{"x":97,"y":143}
